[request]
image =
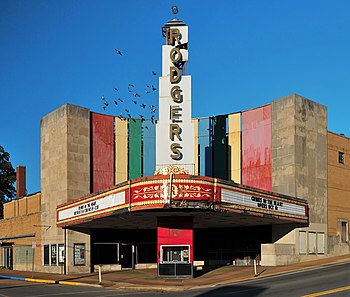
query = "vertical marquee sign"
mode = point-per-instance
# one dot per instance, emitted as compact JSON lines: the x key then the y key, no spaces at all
{"x":175,"y":130}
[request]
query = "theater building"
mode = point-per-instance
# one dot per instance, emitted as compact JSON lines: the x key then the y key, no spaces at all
{"x":268,"y":183}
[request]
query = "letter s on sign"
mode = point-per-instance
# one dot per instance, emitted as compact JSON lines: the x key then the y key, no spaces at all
{"x":175,"y":148}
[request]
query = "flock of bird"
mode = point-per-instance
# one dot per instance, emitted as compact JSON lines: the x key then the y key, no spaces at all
{"x":135,"y":99}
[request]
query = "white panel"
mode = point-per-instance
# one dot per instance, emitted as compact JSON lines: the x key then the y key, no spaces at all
{"x":92,"y":206}
{"x":166,"y":102}
{"x":320,"y":243}
{"x":312,"y":242}
{"x":302,"y":242}
{"x":261,"y":203}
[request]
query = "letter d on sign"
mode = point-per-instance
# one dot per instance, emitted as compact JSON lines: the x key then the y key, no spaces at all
{"x":175,"y":75}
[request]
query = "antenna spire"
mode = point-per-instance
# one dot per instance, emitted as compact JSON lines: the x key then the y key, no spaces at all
{"x":174,"y":10}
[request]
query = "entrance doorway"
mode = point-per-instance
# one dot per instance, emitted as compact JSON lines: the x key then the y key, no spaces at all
{"x":127,"y":256}
{"x":7,"y":257}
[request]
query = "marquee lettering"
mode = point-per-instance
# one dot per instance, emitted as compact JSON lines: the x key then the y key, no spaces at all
{"x":173,"y":38}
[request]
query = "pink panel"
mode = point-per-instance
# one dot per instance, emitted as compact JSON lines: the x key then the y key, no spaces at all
{"x":102,"y":151}
{"x":256,"y":148}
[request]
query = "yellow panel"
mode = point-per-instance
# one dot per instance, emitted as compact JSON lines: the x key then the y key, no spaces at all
{"x":121,"y":150}
{"x":234,"y":142}
{"x":196,"y":165}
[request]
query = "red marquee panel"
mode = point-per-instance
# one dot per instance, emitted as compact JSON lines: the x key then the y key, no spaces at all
{"x":102,"y":151}
{"x":257,"y":148}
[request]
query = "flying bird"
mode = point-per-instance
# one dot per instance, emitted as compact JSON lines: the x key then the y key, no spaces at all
{"x":116,"y":89}
{"x":129,"y":115}
{"x":142,"y":105}
{"x":152,"y":119}
{"x":147,"y":92}
{"x":127,"y":110}
{"x":154,"y":73}
{"x":115,"y":102}
{"x":129,"y":90}
{"x":137,"y":95}
{"x":103,"y":97}
{"x":118,"y":52}
{"x":120,"y":99}
{"x":131,"y":85}
{"x":134,"y":101}
{"x":154,"y":88}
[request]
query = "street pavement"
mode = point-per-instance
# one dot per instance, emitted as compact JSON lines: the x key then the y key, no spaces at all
{"x":146,"y":280}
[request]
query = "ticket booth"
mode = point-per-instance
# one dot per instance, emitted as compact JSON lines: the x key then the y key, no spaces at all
{"x":174,"y":248}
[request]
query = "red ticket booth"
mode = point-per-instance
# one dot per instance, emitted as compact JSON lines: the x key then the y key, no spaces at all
{"x":175,"y":246}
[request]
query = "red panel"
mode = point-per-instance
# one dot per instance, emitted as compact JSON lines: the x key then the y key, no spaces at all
{"x":256,"y":148}
{"x":102,"y":152}
{"x":170,"y":236}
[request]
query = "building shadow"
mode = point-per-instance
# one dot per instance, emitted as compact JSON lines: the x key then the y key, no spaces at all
{"x":234,"y":290}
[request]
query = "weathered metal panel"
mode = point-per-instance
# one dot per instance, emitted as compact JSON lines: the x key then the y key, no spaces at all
{"x":256,"y":148}
{"x":102,"y":151}
{"x":234,"y":149}
{"x":149,"y":148}
{"x":196,"y":142}
{"x":219,"y":140}
{"x":121,"y":150}
{"x":135,"y":149}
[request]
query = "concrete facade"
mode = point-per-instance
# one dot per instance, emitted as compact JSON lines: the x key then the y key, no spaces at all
{"x":299,"y":168}
{"x":65,"y":175}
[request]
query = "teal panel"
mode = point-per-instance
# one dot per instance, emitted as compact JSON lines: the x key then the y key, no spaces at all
{"x":220,"y":162}
{"x":149,"y":148}
{"x":135,"y":149}
{"x":205,"y":147}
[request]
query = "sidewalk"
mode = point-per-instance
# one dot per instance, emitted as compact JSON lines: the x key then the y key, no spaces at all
{"x":146,"y":279}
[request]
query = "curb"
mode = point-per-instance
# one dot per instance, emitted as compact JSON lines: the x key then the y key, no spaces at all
{"x":77,"y":284}
{"x":12,"y":277}
{"x":45,"y":281}
{"x":48,"y":281}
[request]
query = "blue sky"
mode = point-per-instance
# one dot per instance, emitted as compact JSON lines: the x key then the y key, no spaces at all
{"x":242,"y":54}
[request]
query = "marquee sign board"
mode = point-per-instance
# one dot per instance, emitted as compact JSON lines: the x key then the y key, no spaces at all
{"x":91,"y":206}
{"x":262,"y":204}
{"x":182,"y":191}
{"x":175,"y":130}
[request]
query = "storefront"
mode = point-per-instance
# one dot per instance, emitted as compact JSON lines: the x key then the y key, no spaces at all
{"x":142,"y":223}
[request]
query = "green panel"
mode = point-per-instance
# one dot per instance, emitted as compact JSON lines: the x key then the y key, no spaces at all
{"x":220,"y":164}
{"x":135,"y":149}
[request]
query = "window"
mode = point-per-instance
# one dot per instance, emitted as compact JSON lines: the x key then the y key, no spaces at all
{"x":302,"y":242}
{"x":341,"y":157}
{"x":79,"y":254}
{"x":46,"y":255}
{"x":320,"y":243}
{"x":53,"y":254}
{"x":312,"y":242}
{"x":60,"y":254}
{"x":344,"y":231}
{"x":171,"y":254}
